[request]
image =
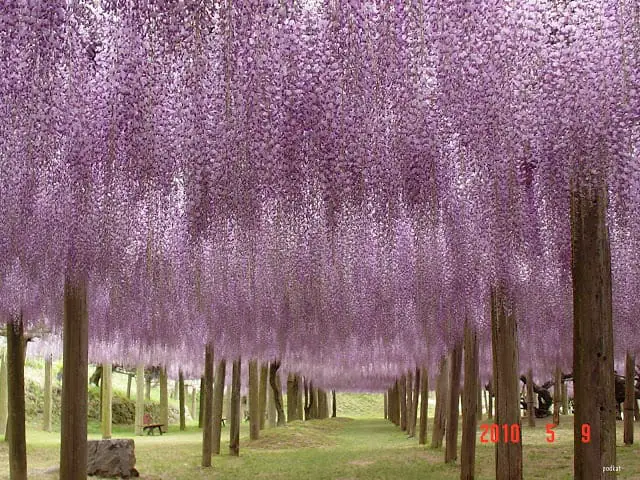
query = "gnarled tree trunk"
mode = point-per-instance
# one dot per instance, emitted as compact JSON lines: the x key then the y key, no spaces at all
{"x":276,"y":387}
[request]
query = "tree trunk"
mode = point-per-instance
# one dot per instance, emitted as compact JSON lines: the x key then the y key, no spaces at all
{"x":4,"y":401}
{"x":414,"y":406}
{"x":254,"y":400}
{"x":234,"y":421}
{"x":453,"y":407}
{"x":408,"y":390}
{"x":129,"y":379}
{"x":164,"y":399}
{"x":424,"y":406}
{"x":439,"y":416}
{"x":629,"y":398}
{"x":206,"y":408}
{"x":264,"y":379}
{"x":403,"y":402}
{"x":73,"y":419}
{"x":531,"y":414}
{"x":107,"y":400}
{"x":203,"y":393}
{"x":218,"y":402}
{"x":48,"y":391}
{"x":490,"y":407}
{"x":393,"y":399}
{"x":271,"y":404}
{"x":504,"y":342}
{"x":276,"y":386}
{"x":292,"y":397}
{"x":139,"y":399}
{"x":147,"y":393}
{"x":594,"y":390}
{"x":386,"y":408}
{"x":16,"y":427}
{"x":469,"y":403}
{"x":565,"y":399}
{"x":193,"y":402}
{"x":315,"y":409}
{"x":479,"y":399}
{"x":334,"y":405}
{"x":183,"y":423}
{"x":557,"y":396}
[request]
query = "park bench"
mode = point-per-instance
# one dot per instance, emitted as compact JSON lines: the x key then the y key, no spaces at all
{"x":148,"y":425}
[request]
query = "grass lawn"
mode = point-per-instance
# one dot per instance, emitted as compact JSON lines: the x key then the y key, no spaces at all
{"x":337,"y":449}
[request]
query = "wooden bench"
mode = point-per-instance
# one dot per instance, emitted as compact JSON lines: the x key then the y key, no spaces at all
{"x":148,"y":425}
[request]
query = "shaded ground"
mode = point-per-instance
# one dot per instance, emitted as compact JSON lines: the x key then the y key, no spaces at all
{"x":341,"y":449}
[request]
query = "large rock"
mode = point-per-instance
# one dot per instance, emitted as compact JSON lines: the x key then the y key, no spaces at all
{"x":112,"y":458}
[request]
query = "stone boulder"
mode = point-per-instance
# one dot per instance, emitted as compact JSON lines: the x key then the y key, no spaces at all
{"x":112,"y":458}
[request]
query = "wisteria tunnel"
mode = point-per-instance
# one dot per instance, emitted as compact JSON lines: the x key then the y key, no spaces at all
{"x":266,"y":212}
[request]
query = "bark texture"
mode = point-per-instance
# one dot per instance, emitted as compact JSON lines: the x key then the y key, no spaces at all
{"x":234,"y":421}
{"x":504,"y":342}
{"x":218,"y":402}
{"x":453,"y":405}
{"x":73,"y":420}
{"x":107,"y":399}
{"x":139,"y":399}
{"x":207,"y":408}
{"x":16,"y":427}
{"x":594,"y":391}
{"x":629,"y":398}
{"x":440,"y":415}
{"x":254,"y":400}
{"x":469,"y":404}
{"x":424,"y":406}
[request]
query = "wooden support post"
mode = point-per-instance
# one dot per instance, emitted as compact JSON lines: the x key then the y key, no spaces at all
{"x":15,"y":368}
{"x":292,"y":398}
{"x":129,"y":380}
{"x":203,"y":393}
{"x":183,"y":422}
{"x":48,"y":392}
{"x":271,"y":404}
{"x":4,"y":398}
{"x":73,"y":420}
{"x":164,"y":399}
{"x":147,"y":382}
{"x":234,"y":421}
{"x":408,"y":390}
{"x":424,"y":406}
{"x":629,"y":398}
{"x":386,"y":408}
{"x":479,"y":399}
{"x":193,"y":402}
{"x":440,"y":415}
{"x":531,"y":413}
{"x":504,"y":342}
{"x":254,"y":400}
{"x":139,"y":399}
{"x":593,"y":386}
{"x":414,"y":406}
{"x":557,"y":395}
{"x":469,"y":403}
{"x":107,"y":400}
{"x":403,"y":402}
{"x":218,"y":403}
{"x":334,"y":404}
{"x":206,"y":408}
{"x":453,"y":405}
{"x":264,"y":379}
